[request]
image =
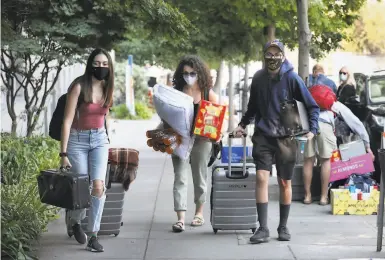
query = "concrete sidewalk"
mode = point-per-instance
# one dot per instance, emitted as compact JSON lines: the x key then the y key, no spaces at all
{"x":148,"y":216}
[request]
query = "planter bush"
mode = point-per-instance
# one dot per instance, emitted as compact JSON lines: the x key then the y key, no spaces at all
{"x":23,"y":216}
{"x":141,"y":109}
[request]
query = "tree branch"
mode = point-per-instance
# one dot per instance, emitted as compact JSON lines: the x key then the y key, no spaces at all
{"x":47,"y":91}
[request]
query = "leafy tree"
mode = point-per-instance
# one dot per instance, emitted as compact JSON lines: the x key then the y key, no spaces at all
{"x":366,"y":35}
{"x":218,"y":34}
{"x":327,"y":19}
{"x":41,"y":37}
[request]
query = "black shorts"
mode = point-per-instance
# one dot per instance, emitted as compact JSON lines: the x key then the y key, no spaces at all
{"x":283,"y":150}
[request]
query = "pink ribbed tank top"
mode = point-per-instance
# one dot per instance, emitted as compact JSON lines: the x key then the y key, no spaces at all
{"x":91,"y":116}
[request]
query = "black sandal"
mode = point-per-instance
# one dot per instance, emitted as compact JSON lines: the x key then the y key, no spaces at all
{"x":178,"y":227}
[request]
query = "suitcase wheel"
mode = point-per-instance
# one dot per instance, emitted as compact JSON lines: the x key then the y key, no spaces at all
{"x":70,"y":234}
{"x":121,"y":224}
{"x":117,"y":234}
{"x":253,"y":230}
{"x":215,"y":230}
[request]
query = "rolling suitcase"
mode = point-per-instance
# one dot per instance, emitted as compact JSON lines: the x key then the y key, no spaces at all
{"x":113,"y":210}
{"x":233,"y":205}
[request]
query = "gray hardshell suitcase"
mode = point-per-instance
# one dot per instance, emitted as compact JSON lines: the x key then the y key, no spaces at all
{"x":233,"y":205}
{"x":112,"y":213}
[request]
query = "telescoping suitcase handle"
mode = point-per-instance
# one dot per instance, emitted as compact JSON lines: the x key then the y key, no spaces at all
{"x":231,"y":136}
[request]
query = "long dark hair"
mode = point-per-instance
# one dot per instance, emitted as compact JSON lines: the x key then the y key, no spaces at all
{"x":200,"y":67}
{"x":86,"y":79}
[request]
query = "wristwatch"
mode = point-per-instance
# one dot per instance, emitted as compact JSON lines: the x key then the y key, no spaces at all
{"x":63,"y":154}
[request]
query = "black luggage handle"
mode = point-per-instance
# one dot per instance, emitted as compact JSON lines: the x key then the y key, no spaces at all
{"x":107,"y":182}
{"x":231,"y":135}
{"x":64,"y":169}
{"x":237,"y":177}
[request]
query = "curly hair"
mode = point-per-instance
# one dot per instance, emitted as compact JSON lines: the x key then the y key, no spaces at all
{"x":202,"y":70}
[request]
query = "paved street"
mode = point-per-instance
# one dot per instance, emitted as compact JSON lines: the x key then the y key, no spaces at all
{"x":148,"y":216}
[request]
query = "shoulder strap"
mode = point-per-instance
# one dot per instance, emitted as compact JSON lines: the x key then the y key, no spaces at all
{"x":205,"y":94}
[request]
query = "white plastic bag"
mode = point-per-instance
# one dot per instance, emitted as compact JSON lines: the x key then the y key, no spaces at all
{"x":177,"y":110}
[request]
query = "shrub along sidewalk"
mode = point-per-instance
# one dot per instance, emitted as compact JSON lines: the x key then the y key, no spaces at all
{"x":23,"y":217}
{"x":141,"y":109}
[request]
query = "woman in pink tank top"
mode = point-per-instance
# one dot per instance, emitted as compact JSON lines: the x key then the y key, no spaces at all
{"x":84,"y":140}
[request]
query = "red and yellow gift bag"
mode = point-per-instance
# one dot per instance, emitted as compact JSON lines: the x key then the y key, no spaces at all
{"x":209,"y":120}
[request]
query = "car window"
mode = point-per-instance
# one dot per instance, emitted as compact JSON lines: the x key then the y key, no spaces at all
{"x":360,"y":87}
{"x":377,"y":90}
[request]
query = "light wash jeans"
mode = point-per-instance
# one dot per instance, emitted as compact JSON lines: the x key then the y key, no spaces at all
{"x":200,"y":157}
{"x":88,"y":154}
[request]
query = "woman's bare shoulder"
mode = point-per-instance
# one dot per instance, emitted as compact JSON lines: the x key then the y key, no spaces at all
{"x":74,"y":89}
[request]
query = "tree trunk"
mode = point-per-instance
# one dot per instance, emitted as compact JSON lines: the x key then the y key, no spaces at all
{"x":11,"y":87}
{"x":270,"y":32}
{"x":37,"y":105}
{"x":231,"y":96}
{"x":30,"y":126}
{"x":269,"y":36}
{"x":245,"y":89}
{"x":10,"y":98}
{"x":304,"y":39}
{"x":219,"y":81}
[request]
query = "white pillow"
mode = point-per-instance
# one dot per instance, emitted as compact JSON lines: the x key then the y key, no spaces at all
{"x":177,"y":110}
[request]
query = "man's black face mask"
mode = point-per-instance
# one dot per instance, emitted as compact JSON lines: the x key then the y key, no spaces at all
{"x":273,"y":61}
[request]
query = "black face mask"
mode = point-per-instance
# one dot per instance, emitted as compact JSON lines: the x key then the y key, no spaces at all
{"x":100,"y":73}
{"x":273,"y":64}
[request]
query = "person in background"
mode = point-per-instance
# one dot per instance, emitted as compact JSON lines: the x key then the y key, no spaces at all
{"x":84,"y":141}
{"x":192,"y":77}
{"x":325,"y":141}
{"x":322,"y":145}
{"x":327,"y":101}
{"x":318,"y":78}
{"x":345,"y":92}
{"x":271,"y":86}
{"x":347,"y":88}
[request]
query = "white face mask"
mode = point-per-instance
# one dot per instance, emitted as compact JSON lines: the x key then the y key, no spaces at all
{"x":343,"y":77}
{"x":190,"y":80}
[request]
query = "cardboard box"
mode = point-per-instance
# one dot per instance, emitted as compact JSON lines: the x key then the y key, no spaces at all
{"x":342,"y":169}
{"x":342,"y":203}
{"x":352,"y":149}
{"x":209,"y":120}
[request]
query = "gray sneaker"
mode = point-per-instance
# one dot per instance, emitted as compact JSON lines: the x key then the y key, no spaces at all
{"x":260,"y":236}
{"x":94,"y":245}
{"x":283,"y":234}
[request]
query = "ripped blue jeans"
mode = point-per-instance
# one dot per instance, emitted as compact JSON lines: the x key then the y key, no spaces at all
{"x":88,"y":154}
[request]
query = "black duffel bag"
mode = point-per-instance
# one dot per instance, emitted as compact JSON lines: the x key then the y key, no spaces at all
{"x":64,"y":189}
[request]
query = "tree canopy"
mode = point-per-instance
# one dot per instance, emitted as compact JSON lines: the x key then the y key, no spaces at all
{"x":367,"y":36}
{"x":218,"y":34}
{"x":327,"y":20}
{"x":235,"y":30}
{"x":40,"y":37}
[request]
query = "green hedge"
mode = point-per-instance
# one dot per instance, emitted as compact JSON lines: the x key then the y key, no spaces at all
{"x":141,"y":109}
{"x":23,"y":217}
